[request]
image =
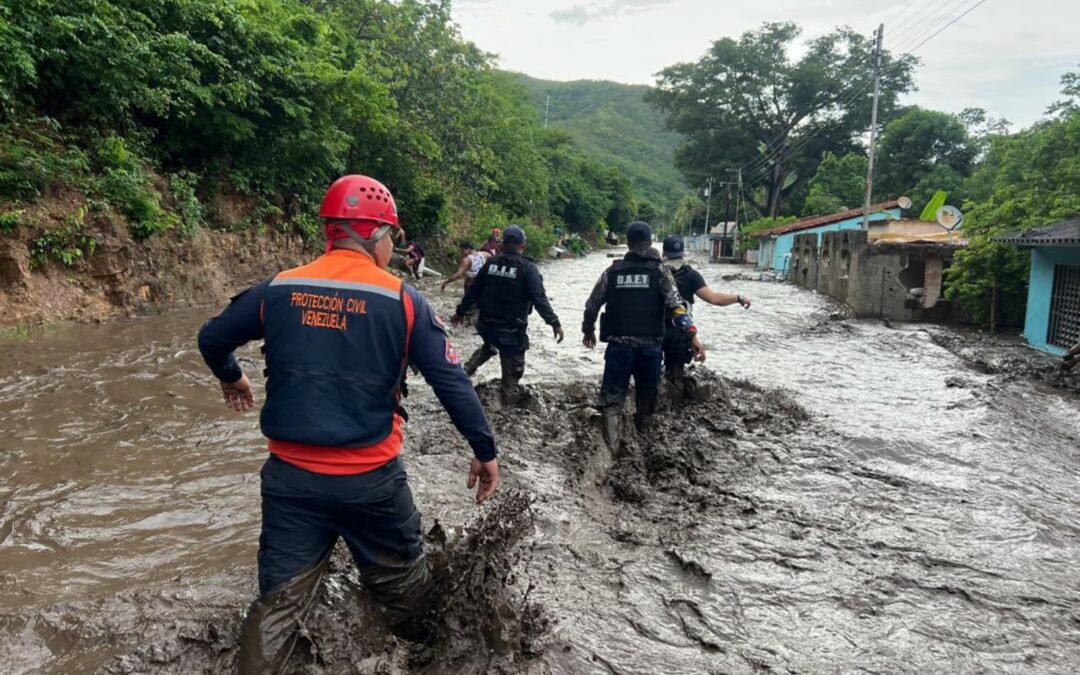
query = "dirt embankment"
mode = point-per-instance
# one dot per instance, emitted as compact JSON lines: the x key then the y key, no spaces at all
{"x":117,"y":276}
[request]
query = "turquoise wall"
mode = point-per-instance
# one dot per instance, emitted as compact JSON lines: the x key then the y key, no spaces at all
{"x":782,"y":244}
{"x":1040,"y":287}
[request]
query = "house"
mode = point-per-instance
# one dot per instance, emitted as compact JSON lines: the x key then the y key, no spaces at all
{"x":722,"y":240}
{"x":775,"y":244}
{"x":1052,"y":323}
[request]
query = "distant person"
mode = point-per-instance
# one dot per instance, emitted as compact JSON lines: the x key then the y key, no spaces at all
{"x":641,"y":296}
{"x":506,"y":290}
{"x":612,"y":238}
{"x":493,"y":245}
{"x":414,"y":257}
{"x":336,"y":335}
{"x":471,"y":262}
{"x":678,"y":351}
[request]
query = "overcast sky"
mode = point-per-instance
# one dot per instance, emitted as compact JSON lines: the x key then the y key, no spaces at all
{"x":1005,"y":56}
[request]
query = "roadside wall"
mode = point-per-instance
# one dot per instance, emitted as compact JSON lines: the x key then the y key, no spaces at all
{"x":901,"y":282}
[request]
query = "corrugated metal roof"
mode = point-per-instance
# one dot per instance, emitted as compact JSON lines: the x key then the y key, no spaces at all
{"x":818,"y":221}
{"x":1065,"y":233}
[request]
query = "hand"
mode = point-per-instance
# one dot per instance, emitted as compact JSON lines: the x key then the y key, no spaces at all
{"x":456,"y":320}
{"x":488,"y":475}
{"x":744,"y":301}
{"x":238,"y":395}
{"x":699,"y":350}
{"x":443,"y":286}
{"x":559,"y":334}
{"x":589,"y":340}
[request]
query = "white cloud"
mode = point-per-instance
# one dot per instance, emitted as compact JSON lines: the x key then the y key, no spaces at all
{"x":1005,"y":57}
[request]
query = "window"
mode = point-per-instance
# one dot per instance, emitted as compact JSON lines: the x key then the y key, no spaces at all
{"x":1064,"y":328}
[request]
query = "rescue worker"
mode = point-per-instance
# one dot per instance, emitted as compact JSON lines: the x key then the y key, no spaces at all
{"x":641,"y":297}
{"x":677,"y":350}
{"x":493,"y":244}
{"x":338,"y":333}
{"x":506,"y":290}
{"x":471,"y":262}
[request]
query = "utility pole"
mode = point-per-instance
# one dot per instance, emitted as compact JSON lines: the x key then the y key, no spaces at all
{"x":738,"y":203}
{"x":547,"y":107}
{"x":708,"y":204}
{"x":727,"y":217}
{"x":873,"y":128}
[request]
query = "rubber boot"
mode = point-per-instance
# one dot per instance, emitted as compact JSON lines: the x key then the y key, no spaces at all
{"x":611,"y":429}
{"x":405,"y":590}
{"x":270,"y":630}
{"x":478,"y":358}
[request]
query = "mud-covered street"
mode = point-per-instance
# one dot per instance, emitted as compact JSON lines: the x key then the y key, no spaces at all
{"x":847,"y":496}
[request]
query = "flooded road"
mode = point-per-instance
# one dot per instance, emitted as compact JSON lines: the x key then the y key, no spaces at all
{"x":853,"y":497}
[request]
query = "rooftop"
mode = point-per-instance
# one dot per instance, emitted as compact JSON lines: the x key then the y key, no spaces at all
{"x":818,"y":221}
{"x":1065,"y":233}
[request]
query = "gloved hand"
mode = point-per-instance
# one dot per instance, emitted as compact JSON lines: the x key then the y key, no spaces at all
{"x":589,"y":340}
{"x":559,"y":335}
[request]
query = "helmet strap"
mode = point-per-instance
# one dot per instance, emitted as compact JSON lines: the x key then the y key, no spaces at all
{"x":367,"y":244}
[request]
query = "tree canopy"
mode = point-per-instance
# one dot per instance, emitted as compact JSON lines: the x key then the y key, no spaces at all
{"x":748,"y":103}
{"x":273,"y":99}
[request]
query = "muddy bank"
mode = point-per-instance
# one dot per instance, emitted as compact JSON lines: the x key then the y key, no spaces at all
{"x":1006,"y":356}
{"x":122,"y":277}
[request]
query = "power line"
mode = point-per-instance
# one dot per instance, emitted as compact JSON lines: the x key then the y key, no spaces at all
{"x":756,"y":174}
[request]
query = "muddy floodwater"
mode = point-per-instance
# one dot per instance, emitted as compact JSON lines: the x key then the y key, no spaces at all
{"x":845,"y":496}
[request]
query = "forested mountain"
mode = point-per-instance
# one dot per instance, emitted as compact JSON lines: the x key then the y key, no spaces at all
{"x":612,"y":123}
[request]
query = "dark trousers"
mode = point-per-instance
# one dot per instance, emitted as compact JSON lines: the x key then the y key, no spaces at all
{"x":677,"y":352}
{"x":304,"y":514}
{"x":621,"y":362}
{"x":509,"y":342}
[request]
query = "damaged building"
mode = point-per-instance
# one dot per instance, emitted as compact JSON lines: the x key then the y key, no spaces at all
{"x":893,"y":271}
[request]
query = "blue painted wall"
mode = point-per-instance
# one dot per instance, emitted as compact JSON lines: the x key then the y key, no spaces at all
{"x":1040,"y":288}
{"x":776,"y":258}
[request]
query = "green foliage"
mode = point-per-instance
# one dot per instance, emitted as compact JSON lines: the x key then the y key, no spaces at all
{"x":747,"y":102}
{"x":839,"y":184}
{"x":1026,"y":179}
{"x":921,"y":148}
{"x":273,"y":99}
{"x":10,"y":220}
{"x":614,"y":125}
{"x":189,"y":209}
{"x":68,"y":245}
{"x":747,"y":233}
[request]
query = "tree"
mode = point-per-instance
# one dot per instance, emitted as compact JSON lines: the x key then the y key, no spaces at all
{"x":1026,"y":179}
{"x":921,"y":145}
{"x":837,"y":185}
{"x":747,"y":103}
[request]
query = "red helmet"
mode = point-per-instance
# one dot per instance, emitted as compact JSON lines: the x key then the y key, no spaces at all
{"x":355,"y":197}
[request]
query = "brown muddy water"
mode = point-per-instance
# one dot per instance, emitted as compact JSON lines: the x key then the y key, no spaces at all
{"x":848,"y":497}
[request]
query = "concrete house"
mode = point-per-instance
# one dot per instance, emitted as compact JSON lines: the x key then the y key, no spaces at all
{"x":1052,"y":323}
{"x":775,"y":245}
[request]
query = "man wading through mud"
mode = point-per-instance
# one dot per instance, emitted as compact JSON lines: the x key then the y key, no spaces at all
{"x":338,"y":334}
{"x":506,"y":289}
{"x":640,"y":295}
{"x":678,"y":346}
{"x":471,"y":262}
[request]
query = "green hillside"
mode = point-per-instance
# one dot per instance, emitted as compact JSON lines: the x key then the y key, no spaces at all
{"x":613,"y":124}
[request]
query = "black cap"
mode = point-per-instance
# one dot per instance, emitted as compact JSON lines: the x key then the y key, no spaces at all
{"x":513,"y":236}
{"x":638,"y":232}
{"x":673,"y":246}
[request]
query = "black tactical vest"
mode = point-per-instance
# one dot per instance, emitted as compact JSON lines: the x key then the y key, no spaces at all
{"x":682,"y":282}
{"x":504,"y":297}
{"x":635,"y":306}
